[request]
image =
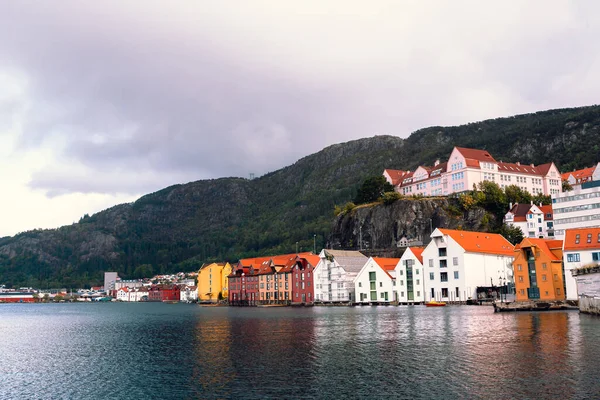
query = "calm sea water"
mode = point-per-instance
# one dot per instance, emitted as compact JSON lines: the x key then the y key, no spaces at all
{"x":177,"y":351}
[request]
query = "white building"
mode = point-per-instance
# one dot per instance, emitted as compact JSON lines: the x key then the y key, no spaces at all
{"x":579,"y":208}
{"x":410,"y":277}
{"x":581,"y":247}
{"x":375,"y":283}
{"x":132,"y":294}
{"x":335,"y":273}
{"x":188,"y":294}
{"x":535,"y":221}
{"x":457,"y":262}
{"x":578,"y":177}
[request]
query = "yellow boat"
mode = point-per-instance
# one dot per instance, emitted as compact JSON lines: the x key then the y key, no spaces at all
{"x":434,"y":303}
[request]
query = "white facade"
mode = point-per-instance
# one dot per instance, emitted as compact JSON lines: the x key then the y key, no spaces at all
{"x":580,"y":248}
{"x":373,"y":284}
{"x":188,"y":294}
{"x":334,"y":275}
{"x":410,"y":274}
{"x":454,"y":274}
{"x":578,"y":208}
{"x":535,"y":223}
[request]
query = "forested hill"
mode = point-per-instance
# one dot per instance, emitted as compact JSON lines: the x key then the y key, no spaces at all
{"x":182,"y":226}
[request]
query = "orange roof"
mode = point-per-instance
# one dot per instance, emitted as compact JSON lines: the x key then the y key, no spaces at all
{"x":396,"y":175}
{"x":480,"y":242}
{"x":547,"y":210}
{"x":545,"y":245}
{"x":312,"y":259}
{"x":418,"y":252}
{"x":520,"y":168}
{"x":581,"y":175}
{"x":571,"y":239}
{"x":387,"y":264}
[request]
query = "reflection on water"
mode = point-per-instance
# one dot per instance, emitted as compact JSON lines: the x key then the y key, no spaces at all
{"x":91,"y":351}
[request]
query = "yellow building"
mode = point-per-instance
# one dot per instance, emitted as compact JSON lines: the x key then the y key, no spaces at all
{"x":212,"y":280}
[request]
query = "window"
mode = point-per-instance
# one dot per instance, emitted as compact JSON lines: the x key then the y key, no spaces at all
{"x":519,"y":267}
{"x":455,"y":274}
{"x":401,"y":294}
{"x":359,"y":284}
{"x":401,"y":283}
{"x":416,"y":271}
{"x":431,"y":276}
{"x":418,"y":282}
{"x":418,"y":293}
{"x":544,"y":266}
{"x":520,"y":279}
{"x":380,"y":284}
{"x":444,"y":276}
{"x":544,"y":278}
{"x":558,"y":291}
{"x":372,"y":276}
{"x":454,"y":260}
{"x":573,"y":257}
{"x":596,"y":256}
{"x":445,"y":292}
{"x":431,"y":263}
{"x":457,"y":292}
{"x":401,"y":272}
{"x":442,"y":252}
{"x":522,"y":291}
{"x":589,"y":238}
{"x":381,"y":295}
{"x":443,"y":263}
{"x":577,"y":239}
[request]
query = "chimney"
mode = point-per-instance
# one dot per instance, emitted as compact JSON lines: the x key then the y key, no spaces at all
{"x":518,"y":163}
{"x":531,"y":202}
{"x":540,"y":204}
{"x":532,"y":166}
{"x":436,"y":163}
{"x":510,"y":204}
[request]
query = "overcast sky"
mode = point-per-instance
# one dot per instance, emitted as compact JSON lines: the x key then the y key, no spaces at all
{"x":104,"y":101}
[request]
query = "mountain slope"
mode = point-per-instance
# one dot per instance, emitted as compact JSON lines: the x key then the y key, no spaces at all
{"x":182,"y":226}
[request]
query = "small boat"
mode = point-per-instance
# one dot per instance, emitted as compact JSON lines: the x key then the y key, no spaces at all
{"x":434,"y":303}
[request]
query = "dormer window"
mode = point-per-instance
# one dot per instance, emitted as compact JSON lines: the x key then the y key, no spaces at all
{"x":589,"y":238}
{"x":577,"y":237}
{"x":599,"y":238}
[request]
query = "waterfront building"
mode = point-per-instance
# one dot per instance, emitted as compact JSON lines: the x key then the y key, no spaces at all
{"x":164,"y":292}
{"x":410,"y":277}
{"x":375,"y":282}
{"x":538,"y":270}
{"x":457,"y":263}
{"x":212,"y":281}
{"x":109,"y":282}
{"x":581,"y":248}
{"x":533,"y":220}
{"x":578,"y":177}
{"x":579,"y":208}
{"x":468,"y":167}
{"x":129,"y":283}
{"x":275,"y":279}
{"x":335,"y":273}
{"x":303,"y":288}
{"x":188,"y":294}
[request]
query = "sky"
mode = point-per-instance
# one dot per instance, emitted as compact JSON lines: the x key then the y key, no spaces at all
{"x":104,"y":101}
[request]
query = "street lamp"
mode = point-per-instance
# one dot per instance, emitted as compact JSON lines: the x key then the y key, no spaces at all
{"x":315,"y":243}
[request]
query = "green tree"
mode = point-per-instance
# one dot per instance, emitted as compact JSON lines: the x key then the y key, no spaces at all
{"x":390,"y":197}
{"x":493,"y":199}
{"x":541,"y":199}
{"x":512,"y":233}
{"x":566,"y":186}
{"x":515,"y":194}
{"x":372,"y":189}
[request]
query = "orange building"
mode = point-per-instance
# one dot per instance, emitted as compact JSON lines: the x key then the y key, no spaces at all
{"x":538,"y":268}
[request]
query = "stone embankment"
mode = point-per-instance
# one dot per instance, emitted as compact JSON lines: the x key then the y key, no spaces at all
{"x":534,"y":306}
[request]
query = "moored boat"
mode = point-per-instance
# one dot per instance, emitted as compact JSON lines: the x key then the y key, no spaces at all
{"x":434,"y":303}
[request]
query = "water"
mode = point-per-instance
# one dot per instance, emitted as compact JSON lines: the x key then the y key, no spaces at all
{"x":177,"y":351}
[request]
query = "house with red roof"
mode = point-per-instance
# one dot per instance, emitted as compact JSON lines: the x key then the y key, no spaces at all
{"x":463,"y":265}
{"x":581,"y":248}
{"x":577,"y":177}
{"x":410,"y":277}
{"x":375,"y":283}
{"x":533,"y":220}
{"x":539,"y":270}
{"x":468,"y":167}
{"x":303,"y":275}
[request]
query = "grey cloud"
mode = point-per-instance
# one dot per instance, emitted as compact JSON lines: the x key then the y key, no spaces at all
{"x":182,"y":103}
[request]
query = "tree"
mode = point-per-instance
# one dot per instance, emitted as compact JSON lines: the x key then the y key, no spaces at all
{"x":512,"y":233}
{"x":566,"y":186}
{"x":372,"y":189}
{"x":493,"y":199}
{"x":541,"y":199}
{"x":515,"y":194}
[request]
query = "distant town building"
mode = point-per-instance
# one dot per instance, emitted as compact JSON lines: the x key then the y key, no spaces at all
{"x":579,"y":208}
{"x":468,"y":167}
{"x":376,"y":281}
{"x":457,"y":263}
{"x":533,"y":220}
{"x":410,"y":276}
{"x":212,"y":280}
{"x":539,"y":270}
{"x":188,"y":294}
{"x":581,"y":248}
{"x":110,"y":278}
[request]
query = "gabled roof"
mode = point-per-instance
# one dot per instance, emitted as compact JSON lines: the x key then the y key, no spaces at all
{"x":480,"y":242}
{"x":396,"y":175}
{"x":418,"y":252}
{"x":547,"y":210}
{"x":520,"y":211}
{"x":543,"y":169}
{"x":518,"y":167}
{"x":474,"y":156}
{"x":351,"y":261}
{"x":312,"y":259}
{"x":580,"y":175}
{"x":545,"y":246}
{"x":387,"y":264}
{"x":440,"y":167}
{"x":571,"y":239}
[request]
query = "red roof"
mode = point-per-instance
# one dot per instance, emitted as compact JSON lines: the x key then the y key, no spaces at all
{"x":581,"y":175}
{"x":543,"y":169}
{"x":396,"y":175}
{"x":480,"y":242}
{"x":520,"y":168}
{"x":387,"y":264}
{"x":545,"y":245}
{"x":571,"y":239}
{"x":312,"y":259}
{"x":475,"y":155}
{"x":547,"y":210}
{"x":418,"y":252}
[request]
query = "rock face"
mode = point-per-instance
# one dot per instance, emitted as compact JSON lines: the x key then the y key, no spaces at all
{"x":384,"y":226}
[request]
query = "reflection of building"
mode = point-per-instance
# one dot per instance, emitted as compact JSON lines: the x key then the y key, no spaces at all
{"x":533,"y":220}
{"x":335,"y":273}
{"x":581,"y":248}
{"x":376,"y":281}
{"x":410,"y":276}
{"x":457,"y":262}
{"x":578,"y":208}
{"x":538,"y":270}
{"x":212,"y":280}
